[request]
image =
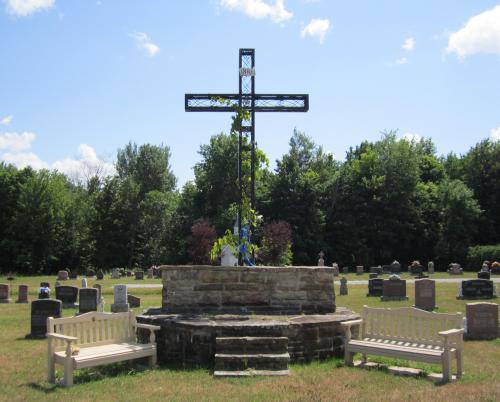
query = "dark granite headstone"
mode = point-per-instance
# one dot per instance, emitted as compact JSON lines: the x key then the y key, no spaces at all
{"x":372,"y":275}
{"x":394,"y":290}
{"x":133,"y":301}
{"x":4,"y":293}
{"x":375,"y":287}
{"x":343,"y":287}
{"x":22,"y":295}
{"x":40,"y":311}
{"x":395,"y":267}
{"x":415,"y":269}
{"x":483,"y":275}
{"x":100,"y":275}
{"x":88,"y":300}
{"x":68,"y":295}
{"x":139,"y":275}
{"x":345,"y":270}
{"x":376,"y":270}
{"x":495,"y":270}
{"x":73,"y":275}
{"x":476,"y":289}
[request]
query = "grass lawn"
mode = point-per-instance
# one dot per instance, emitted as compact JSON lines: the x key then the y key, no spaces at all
{"x":23,"y":364}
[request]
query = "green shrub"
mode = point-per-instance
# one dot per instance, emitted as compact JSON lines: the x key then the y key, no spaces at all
{"x":477,"y":254}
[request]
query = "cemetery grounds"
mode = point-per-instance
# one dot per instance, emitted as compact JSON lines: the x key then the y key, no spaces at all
{"x":23,"y":362}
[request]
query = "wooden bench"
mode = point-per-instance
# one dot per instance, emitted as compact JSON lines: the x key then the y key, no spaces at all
{"x":100,"y":338}
{"x":408,"y":333}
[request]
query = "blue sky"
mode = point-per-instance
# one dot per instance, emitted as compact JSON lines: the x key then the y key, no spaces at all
{"x":81,"y":78}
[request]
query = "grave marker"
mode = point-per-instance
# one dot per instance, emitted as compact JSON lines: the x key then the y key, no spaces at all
{"x":394,"y":290}
{"x":62,"y":275}
{"x":476,"y":289}
{"x":68,"y":296}
{"x":375,"y":287}
{"x":483,"y":275}
{"x":22,"y":296}
{"x":5,"y":293}
{"x":133,"y":301}
{"x":482,"y":320}
{"x":430,"y":267}
{"x":88,"y":300}
{"x":40,"y":311}
{"x":120,"y":299}
{"x":343,"y":286}
{"x":139,"y":275}
{"x":360,"y":270}
{"x":425,"y":294}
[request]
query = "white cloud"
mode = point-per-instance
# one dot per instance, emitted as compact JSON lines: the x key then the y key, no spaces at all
{"x":143,"y":41}
{"x":495,"y":134}
{"x":24,"y":159}
{"x":23,"y":8}
{"x":408,"y":44}
{"x":5,"y":121}
{"x":402,"y":60}
{"x":87,"y":162}
{"x":16,"y":141}
{"x":411,"y":137}
{"x":481,"y":34}
{"x":259,"y":9}
{"x":317,"y":27}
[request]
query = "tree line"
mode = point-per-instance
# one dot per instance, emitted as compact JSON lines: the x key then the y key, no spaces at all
{"x":389,"y":199}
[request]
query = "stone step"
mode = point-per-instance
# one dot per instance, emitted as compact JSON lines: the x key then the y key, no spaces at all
{"x":251,"y":345}
{"x":251,"y":373}
{"x":232,"y":362}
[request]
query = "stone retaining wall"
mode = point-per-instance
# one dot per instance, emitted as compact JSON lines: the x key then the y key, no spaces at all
{"x":277,"y":290}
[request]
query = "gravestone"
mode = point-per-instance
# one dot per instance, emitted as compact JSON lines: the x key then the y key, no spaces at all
{"x":321,"y":260}
{"x":40,"y":311}
{"x":495,"y":268}
{"x":482,"y":320}
{"x":343,"y":287}
{"x":100,"y":275}
{"x":394,"y":290}
{"x":57,"y":284}
{"x":455,"y":269}
{"x":84,"y":283}
{"x":73,"y":275}
{"x":115,"y":273}
{"x":425,"y":294}
{"x":395,"y":267}
{"x":129,"y":273}
{"x":133,"y":301}
{"x":483,"y":275}
{"x":227,"y":258}
{"x":336,"y":270}
{"x":476,"y":289}
{"x":386,"y":269}
{"x":376,"y":270}
{"x":430,"y":267}
{"x":88,"y":300}
{"x":375,"y":287}
{"x":68,"y":296}
{"x":345,"y":270}
{"x":139,"y":275}
{"x":22,"y":295}
{"x":90,"y":273}
{"x":120,"y":299}
{"x":62,"y":275}
{"x":372,"y":276}
{"x":415,"y":269}
{"x":5,"y":293}
{"x":150,"y":273}
{"x":360,"y":270}
{"x":100,"y":298}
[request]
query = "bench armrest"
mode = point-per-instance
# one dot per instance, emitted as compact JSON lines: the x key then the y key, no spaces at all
{"x":66,"y":338}
{"x":347,"y":325}
{"x":351,"y":323}
{"x":152,"y":329}
{"x":452,"y":332}
{"x":62,"y":337}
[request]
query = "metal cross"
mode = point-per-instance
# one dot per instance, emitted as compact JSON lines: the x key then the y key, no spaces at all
{"x":248,"y":100}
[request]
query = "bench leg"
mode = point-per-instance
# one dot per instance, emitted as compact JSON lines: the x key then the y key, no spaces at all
{"x":68,"y":373}
{"x":459,"y":364}
{"x":152,"y":361}
{"x":445,"y":358}
{"x":51,"y":375}
{"x":348,"y":357}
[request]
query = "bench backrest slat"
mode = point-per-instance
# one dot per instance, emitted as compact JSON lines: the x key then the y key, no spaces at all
{"x":408,"y":325}
{"x":94,"y":328}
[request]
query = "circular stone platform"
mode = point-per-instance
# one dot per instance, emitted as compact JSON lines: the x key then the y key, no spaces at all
{"x":191,"y":339}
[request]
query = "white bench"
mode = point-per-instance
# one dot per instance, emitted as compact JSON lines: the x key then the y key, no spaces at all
{"x":408,"y":333}
{"x":101,"y":338}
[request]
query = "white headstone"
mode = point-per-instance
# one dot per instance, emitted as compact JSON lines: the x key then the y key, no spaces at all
{"x":84,"y":283}
{"x":430,"y":267}
{"x":227,"y":258}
